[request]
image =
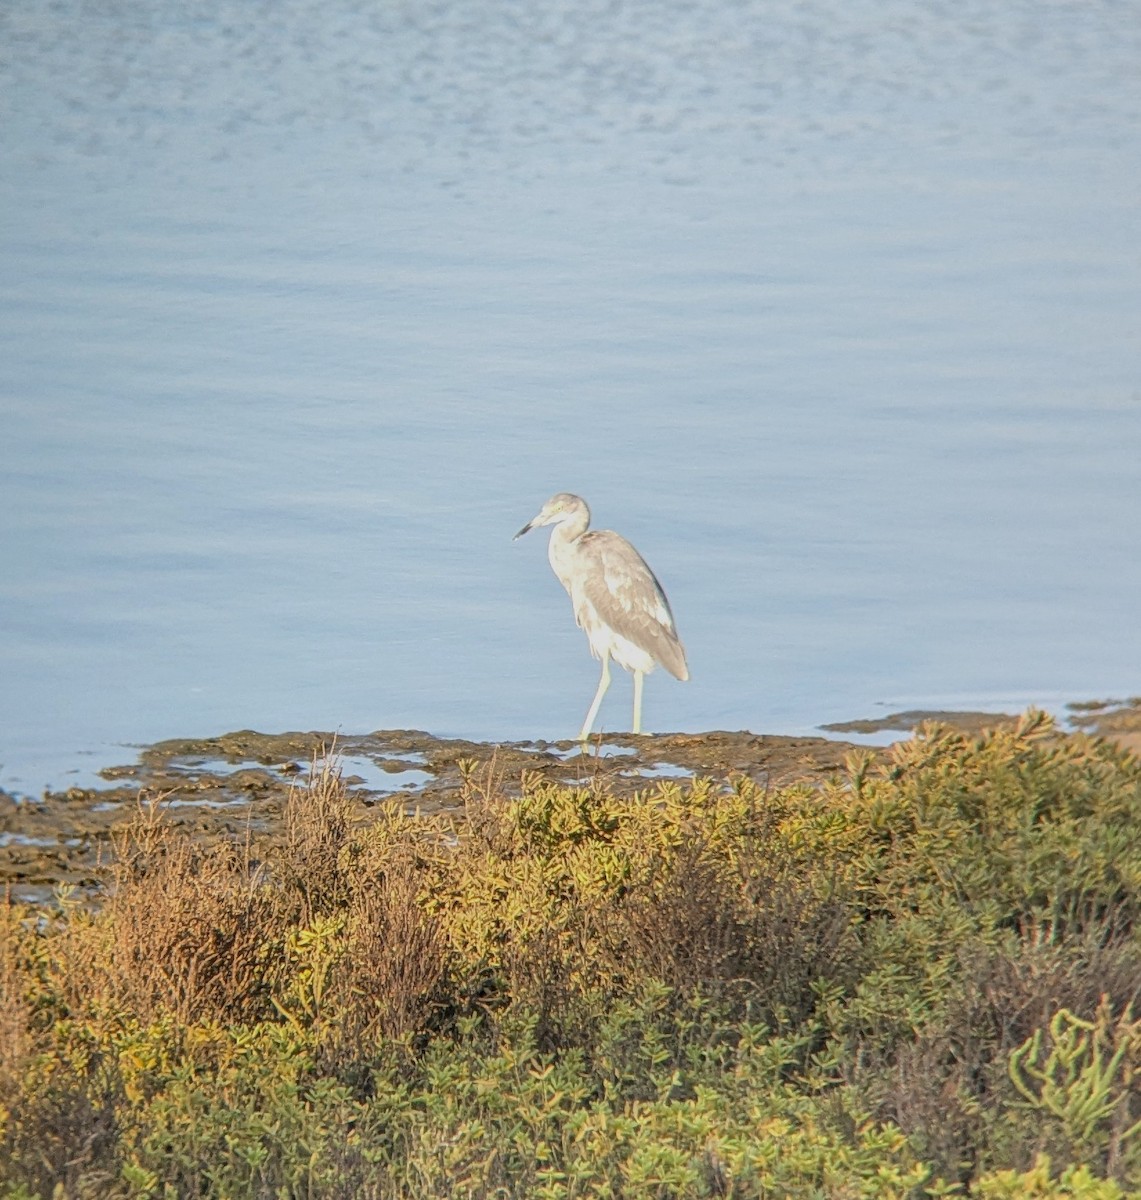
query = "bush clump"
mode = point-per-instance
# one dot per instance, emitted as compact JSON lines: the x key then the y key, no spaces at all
{"x":916,"y":981}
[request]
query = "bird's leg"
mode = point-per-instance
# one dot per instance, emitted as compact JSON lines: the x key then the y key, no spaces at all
{"x":603,"y":684}
{"x":638,"y":677}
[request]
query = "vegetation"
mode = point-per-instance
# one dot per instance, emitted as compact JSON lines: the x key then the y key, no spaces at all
{"x":918,"y":981}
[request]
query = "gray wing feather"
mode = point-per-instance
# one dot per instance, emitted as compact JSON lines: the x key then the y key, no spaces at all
{"x":628,"y":597}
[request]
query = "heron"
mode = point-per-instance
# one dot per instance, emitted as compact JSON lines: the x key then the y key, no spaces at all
{"x":617,"y":600}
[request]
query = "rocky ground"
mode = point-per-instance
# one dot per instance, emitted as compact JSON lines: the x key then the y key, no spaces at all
{"x":236,"y":783}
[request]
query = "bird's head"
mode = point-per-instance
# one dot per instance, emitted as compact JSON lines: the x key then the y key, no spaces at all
{"x":565,"y":506}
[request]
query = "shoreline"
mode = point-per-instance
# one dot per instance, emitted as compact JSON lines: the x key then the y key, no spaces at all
{"x":235,"y":784}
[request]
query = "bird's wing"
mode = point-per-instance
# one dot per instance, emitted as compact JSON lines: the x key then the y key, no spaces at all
{"x":626,"y":595}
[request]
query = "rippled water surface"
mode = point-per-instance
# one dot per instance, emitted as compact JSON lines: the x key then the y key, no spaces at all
{"x":833,"y":308}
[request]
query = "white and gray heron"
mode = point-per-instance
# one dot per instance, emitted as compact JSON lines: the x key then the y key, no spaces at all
{"x":616,"y":598}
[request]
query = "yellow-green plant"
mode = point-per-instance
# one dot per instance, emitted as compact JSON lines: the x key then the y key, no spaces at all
{"x":1082,"y":1074}
{"x":312,"y":954}
{"x":1072,"y":1183}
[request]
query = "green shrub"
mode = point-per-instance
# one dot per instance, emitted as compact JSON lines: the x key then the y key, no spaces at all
{"x":1074,"y":1183}
{"x":916,"y":981}
{"x":1000,"y":879}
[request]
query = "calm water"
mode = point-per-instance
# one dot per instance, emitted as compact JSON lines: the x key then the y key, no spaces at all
{"x":833,"y":308}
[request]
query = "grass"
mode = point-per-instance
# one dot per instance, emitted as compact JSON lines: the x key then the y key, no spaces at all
{"x":918,"y":981}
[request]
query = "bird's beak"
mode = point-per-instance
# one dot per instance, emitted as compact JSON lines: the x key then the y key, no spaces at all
{"x":523,"y":531}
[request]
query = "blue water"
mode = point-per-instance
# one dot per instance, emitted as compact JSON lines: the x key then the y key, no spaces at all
{"x":833,"y":308}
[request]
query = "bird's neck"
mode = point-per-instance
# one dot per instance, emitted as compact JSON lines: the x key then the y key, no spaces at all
{"x":562,"y":546}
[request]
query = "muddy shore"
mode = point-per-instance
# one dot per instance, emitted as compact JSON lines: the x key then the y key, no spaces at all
{"x":235,"y":784}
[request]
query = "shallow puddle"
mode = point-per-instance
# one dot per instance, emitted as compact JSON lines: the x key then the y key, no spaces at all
{"x":382,"y":776}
